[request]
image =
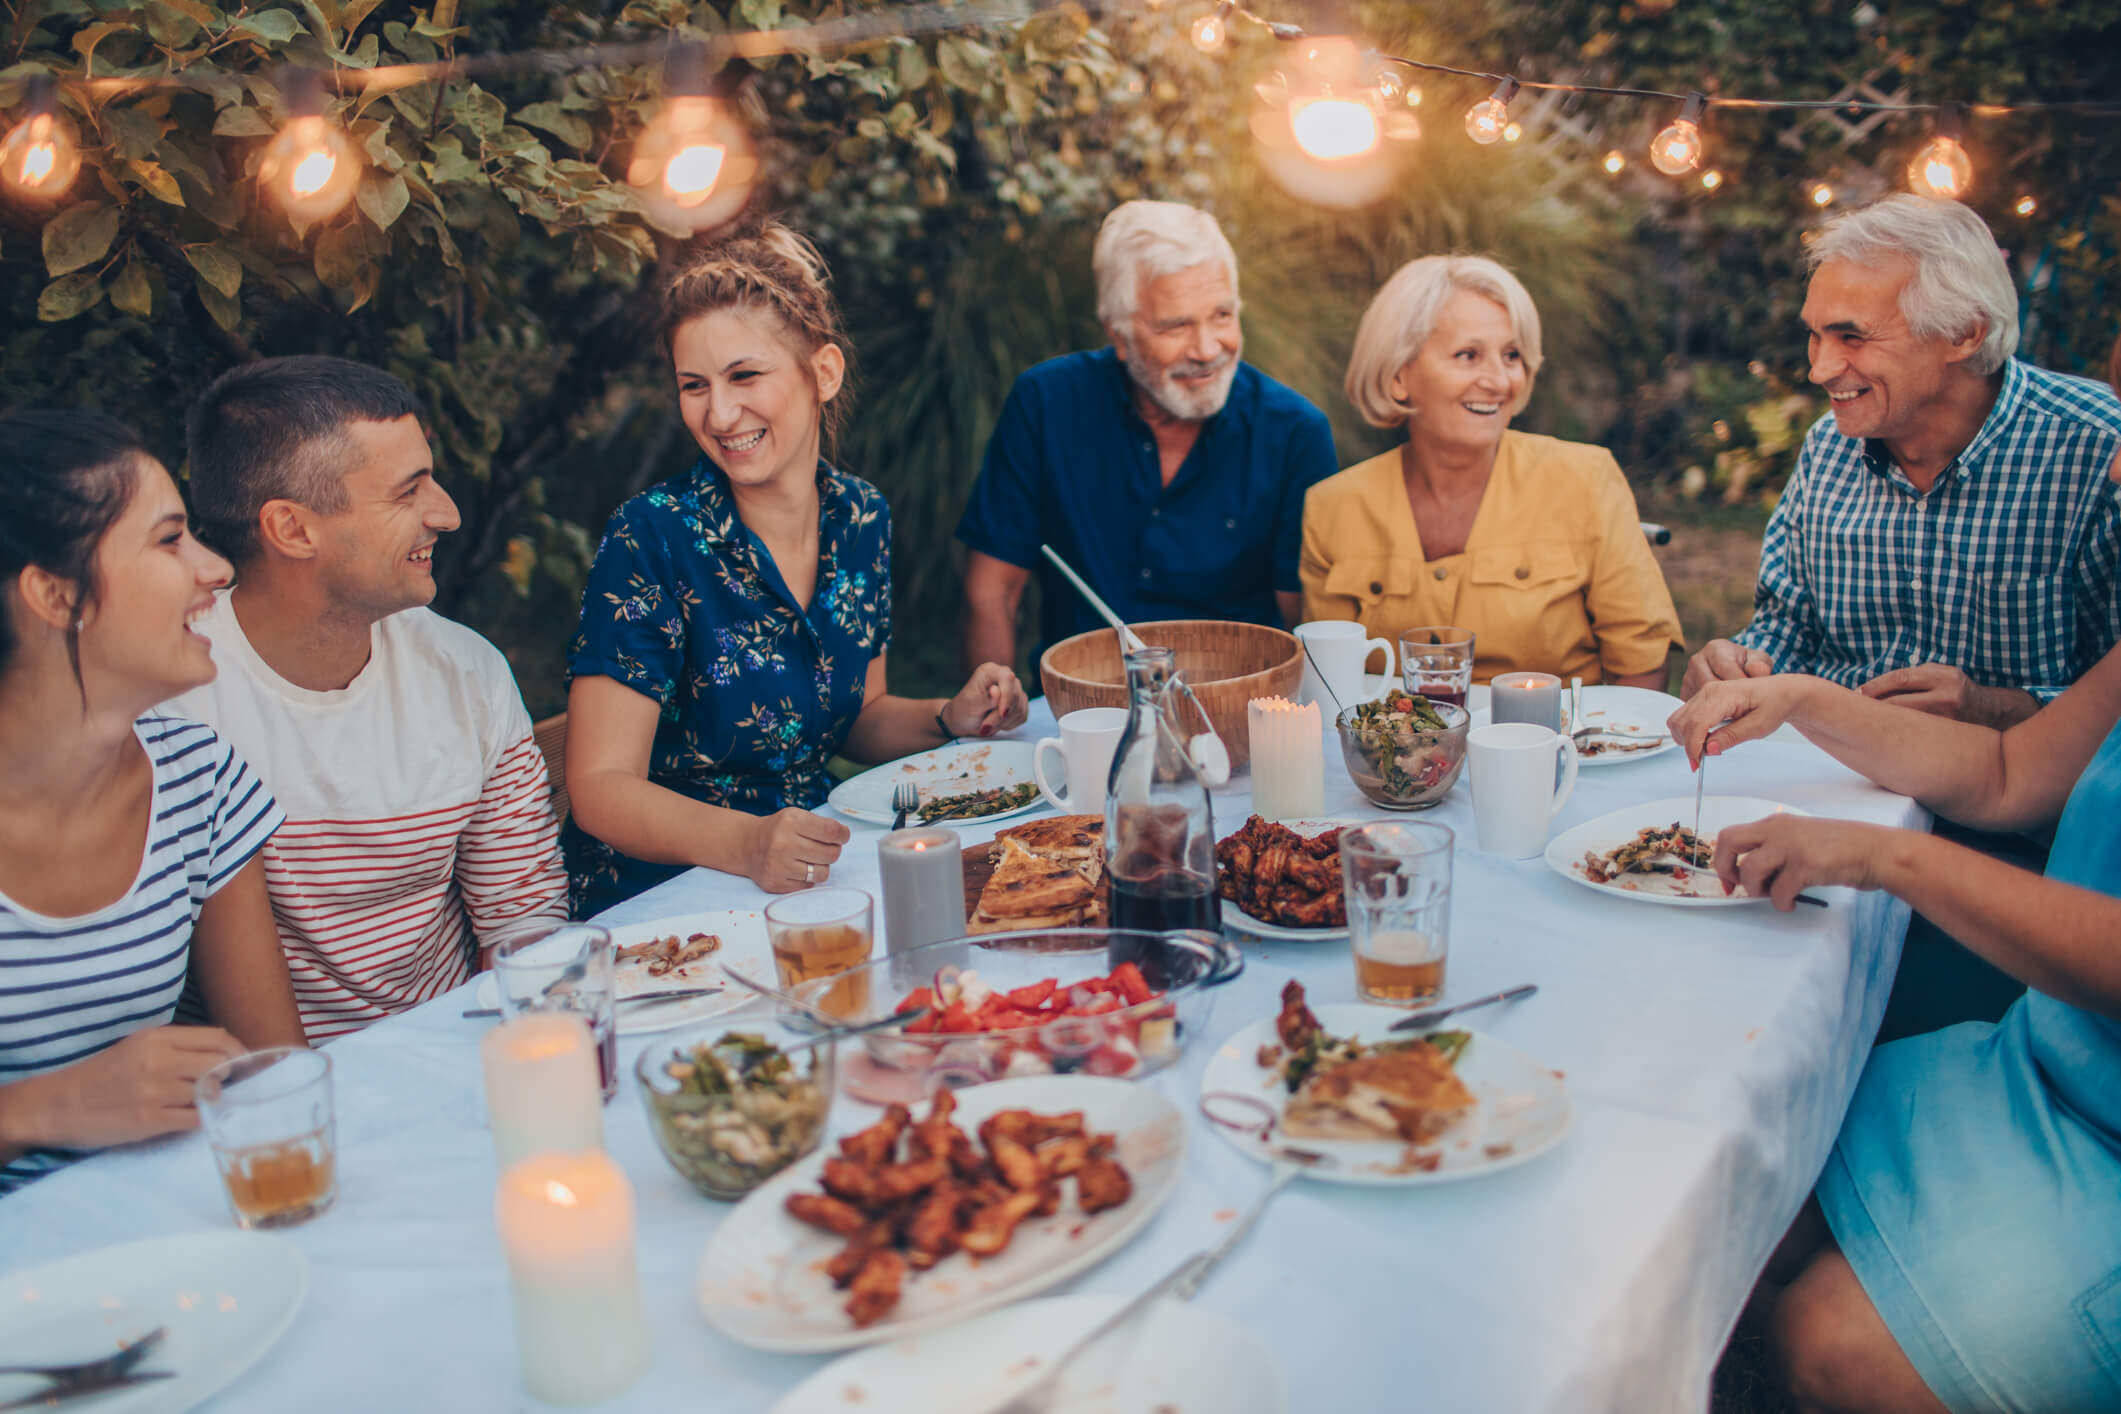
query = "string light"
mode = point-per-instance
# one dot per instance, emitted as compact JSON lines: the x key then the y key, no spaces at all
{"x":1822,"y":194}
{"x":1677,"y":150}
{"x":1941,"y":168}
{"x":1327,"y":124}
{"x":42,"y":156}
{"x":694,"y":167}
{"x":1614,"y":162}
{"x":1513,"y":132}
{"x":1711,"y":179}
{"x":1486,"y":119}
{"x":2025,"y":206}
{"x":1210,"y":30}
{"x":310,"y":168}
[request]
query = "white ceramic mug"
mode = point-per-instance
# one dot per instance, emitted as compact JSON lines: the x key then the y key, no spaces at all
{"x":1336,"y":652}
{"x":1515,"y":798}
{"x":1086,"y":742}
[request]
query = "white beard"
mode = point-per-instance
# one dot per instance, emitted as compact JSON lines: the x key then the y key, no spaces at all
{"x":1185,"y":404}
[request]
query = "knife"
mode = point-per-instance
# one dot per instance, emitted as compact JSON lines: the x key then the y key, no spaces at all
{"x":1421,"y":1020}
{"x":66,"y":1394}
{"x":641,"y":999}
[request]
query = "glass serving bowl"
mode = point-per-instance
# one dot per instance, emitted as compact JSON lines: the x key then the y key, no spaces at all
{"x":728,"y":1110}
{"x":1414,"y":770}
{"x":1129,"y":1041}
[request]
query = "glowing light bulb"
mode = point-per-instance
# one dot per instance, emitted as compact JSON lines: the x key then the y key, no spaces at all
{"x":1711,"y":179}
{"x":1209,"y":31}
{"x":693,"y":167}
{"x":2025,"y":206}
{"x":1677,"y":150}
{"x":1941,"y":168}
{"x":1613,"y":163}
{"x":1513,"y":132}
{"x":1334,"y":129}
{"x":1822,"y":194}
{"x":1391,"y":88}
{"x":42,"y":156}
{"x":310,"y":168}
{"x":1413,"y":95}
{"x":1486,"y":119}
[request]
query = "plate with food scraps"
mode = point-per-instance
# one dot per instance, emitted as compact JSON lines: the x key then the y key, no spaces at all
{"x":1181,"y":1358}
{"x":1647,"y":854}
{"x":1636,"y":711}
{"x":1236,"y":920}
{"x":961,"y":782}
{"x":764,"y":1280}
{"x":678,"y":955}
{"x":1520,"y":1107}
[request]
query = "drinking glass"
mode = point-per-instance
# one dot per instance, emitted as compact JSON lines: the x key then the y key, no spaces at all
{"x":823,"y":933}
{"x":1398,"y":882}
{"x":571,"y":968}
{"x":268,"y":1117}
{"x":1436,"y":662}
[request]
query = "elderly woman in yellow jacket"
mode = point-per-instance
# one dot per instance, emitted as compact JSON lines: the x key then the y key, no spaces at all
{"x":1531,"y":542}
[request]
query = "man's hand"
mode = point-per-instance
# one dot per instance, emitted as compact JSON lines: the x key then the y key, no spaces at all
{"x":991,"y":701}
{"x":1721,"y":660}
{"x":136,"y":1089}
{"x":1944,"y":691}
{"x":1781,"y":856}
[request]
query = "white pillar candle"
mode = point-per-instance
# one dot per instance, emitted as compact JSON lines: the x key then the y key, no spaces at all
{"x":542,"y":1090}
{"x":1526,"y":697}
{"x":566,"y":1224}
{"x":924,"y":887}
{"x":1288,"y":758}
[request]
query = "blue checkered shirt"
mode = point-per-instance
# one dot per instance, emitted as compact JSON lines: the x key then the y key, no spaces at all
{"x":2005,"y":570}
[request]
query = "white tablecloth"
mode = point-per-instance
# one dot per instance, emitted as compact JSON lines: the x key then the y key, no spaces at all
{"x":1709,"y":1053}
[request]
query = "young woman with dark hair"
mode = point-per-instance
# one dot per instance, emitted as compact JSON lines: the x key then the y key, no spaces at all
{"x":128,"y":839}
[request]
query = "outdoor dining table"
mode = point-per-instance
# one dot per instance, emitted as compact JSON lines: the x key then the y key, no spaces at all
{"x":1709,"y":1055}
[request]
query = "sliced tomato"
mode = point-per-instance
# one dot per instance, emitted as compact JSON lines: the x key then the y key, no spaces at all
{"x":1131,"y":984}
{"x":1034,"y":996}
{"x":916,"y":999}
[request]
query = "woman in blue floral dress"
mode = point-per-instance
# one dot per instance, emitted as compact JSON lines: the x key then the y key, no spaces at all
{"x":1963,"y":1249}
{"x":735,"y":623}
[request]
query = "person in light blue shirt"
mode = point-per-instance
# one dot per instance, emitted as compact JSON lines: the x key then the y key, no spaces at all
{"x":1167,"y":471}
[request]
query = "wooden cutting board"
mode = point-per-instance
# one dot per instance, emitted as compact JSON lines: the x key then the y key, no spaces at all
{"x":979,"y":860}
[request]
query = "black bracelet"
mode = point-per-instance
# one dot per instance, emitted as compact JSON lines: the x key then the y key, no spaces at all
{"x":944,"y":727}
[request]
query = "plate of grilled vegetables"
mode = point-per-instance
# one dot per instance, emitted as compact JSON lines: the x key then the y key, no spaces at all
{"x":966,"y":780}
{"x":1652,"y":852}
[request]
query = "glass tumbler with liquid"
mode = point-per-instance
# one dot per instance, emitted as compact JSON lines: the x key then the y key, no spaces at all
{"x":1398,"y":886}
{"x":1159,"y":825}
{"x":1436,"y":662}
{"x":571,"y":968}
{"x":824,"y":932}
{"x":268,"y":1118}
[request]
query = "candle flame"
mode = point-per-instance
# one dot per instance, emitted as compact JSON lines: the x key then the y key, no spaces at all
{"x":559,"y":1193}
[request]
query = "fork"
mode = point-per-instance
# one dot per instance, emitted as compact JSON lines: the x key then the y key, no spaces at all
{"x":1582,"y":733}
{"x":905,"y":799}
{"x":110,"y":1367}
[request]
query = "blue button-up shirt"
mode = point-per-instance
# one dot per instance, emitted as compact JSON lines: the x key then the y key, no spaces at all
{"x":1072,"y":464}
{"x":2006,"y":569}
{"x":685,"y":605}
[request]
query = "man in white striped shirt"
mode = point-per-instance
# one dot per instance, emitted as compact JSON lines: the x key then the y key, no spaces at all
{"x":419,"y":826}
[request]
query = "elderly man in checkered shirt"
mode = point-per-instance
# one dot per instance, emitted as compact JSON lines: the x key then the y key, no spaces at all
{"x":1950,"y":540}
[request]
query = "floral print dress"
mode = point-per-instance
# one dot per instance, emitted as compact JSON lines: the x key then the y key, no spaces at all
{"x":686,"y":606}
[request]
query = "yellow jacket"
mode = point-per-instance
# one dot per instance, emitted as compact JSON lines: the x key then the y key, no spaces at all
{"x":1556,"y":576}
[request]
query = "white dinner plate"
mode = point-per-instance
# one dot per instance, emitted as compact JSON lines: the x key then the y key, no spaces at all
{"x":1565,"y":851}
{"x":1522,"y":1110}
{"x":1178,"y":1358}
{"x":957,"y":769}
{"x":222,"y":1297}
{"x":1236,"y":920}
{"x":1628,"y":709}
{"x":762,"y":1281}
{"x":743,"y":935}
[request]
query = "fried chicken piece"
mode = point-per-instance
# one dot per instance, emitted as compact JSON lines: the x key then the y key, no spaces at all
{"x":1029,"y":1129}
{"x":937,"y":1137}
{"x":875,"y":1289}
{"x":993,"y":1225}
{"x":932,"y":1229}
{"x":895,"y":1182}
{"x":831,"y":1214}
{"x":1326,"y":910}
{"x":855,"y":1182}
{"x":1296,"y":1025}
{"x":1313,"y":875}
{"x":879,"y":1142}
{"x":1102,"y":1182}
{"x":1062,"y":1157}
{"x":1049,"y":1200}
{"x":1019,"y":1167}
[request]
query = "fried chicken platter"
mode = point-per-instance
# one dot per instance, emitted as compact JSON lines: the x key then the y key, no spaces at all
{"x":933,"y":1213}
{"x":1283,"y":876}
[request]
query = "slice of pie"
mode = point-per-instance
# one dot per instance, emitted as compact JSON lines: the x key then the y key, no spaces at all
{"x":1075,"y":840}
{"x":1412,"y":1095}
{"x":1029,"y":891}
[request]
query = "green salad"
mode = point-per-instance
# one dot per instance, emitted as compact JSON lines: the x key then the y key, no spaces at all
{"x":1389,"y":732}
{"x":738,"y":1113}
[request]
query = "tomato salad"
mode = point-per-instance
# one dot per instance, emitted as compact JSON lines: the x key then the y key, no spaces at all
{"x":1100,"y":1026}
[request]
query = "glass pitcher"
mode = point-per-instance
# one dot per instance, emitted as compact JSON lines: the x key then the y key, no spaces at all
{"x":1159,"y":825}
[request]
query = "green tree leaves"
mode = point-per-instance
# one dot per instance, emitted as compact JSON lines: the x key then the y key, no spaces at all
{"x":80,"y":235}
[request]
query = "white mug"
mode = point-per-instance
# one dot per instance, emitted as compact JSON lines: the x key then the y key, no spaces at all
{"x":1086,"y":742}
{"x":1335,"y":654}
{"x":1514,"y":795}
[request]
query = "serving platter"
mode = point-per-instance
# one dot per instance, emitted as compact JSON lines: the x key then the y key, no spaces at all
{"x":957,"y":769}
{"x":1565,"y":851}
{"x":1236,"y":920}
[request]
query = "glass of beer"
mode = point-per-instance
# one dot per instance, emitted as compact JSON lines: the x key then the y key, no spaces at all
{"x":268,"y":1117}
{"x":1436,"y":662}
{"x":822,"y":933}
{"x":1398,"y":881}
{"x":570,"y":968}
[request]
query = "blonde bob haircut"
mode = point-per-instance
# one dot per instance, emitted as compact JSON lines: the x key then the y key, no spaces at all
{"x":1403,"y":315}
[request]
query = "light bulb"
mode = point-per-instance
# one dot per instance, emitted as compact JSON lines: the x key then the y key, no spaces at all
{"x":693,"y":167}
{"x":2026,"y":206}
{"x":1486,"y":120}
{"x":1941,"y":168}
{"x":42,"y":156}
{"x":1677,"y":150}
{"x":310,"y":168}
{"x":1391,"y":88}
{"x":1822,"y":194}
{"x":1334,"y":129}
{"x":1209,"y":31}
{"x":1711,"y":179}
{"x":1413,"y":95}
{"x":1513,"y":132}
{"x":1613,"y":163}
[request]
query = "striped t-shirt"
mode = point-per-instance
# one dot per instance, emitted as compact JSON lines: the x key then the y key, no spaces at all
{"x":419,"y":817}
{"x":71,"y":986}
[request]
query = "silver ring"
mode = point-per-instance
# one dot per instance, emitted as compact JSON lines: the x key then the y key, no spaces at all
{"x":809,"y":873}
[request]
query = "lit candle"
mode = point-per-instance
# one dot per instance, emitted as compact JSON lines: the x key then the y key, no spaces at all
{"x":1288,"y":758}
{"x":1526,"y":697}
{"x":542,"y":1090}
{"x":924,"y":887}
{"x":566,"y":1224}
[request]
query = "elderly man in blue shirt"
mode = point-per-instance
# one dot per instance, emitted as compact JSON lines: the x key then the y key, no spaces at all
{"x":1167,"y":471}
{"x":1950,"y":539}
